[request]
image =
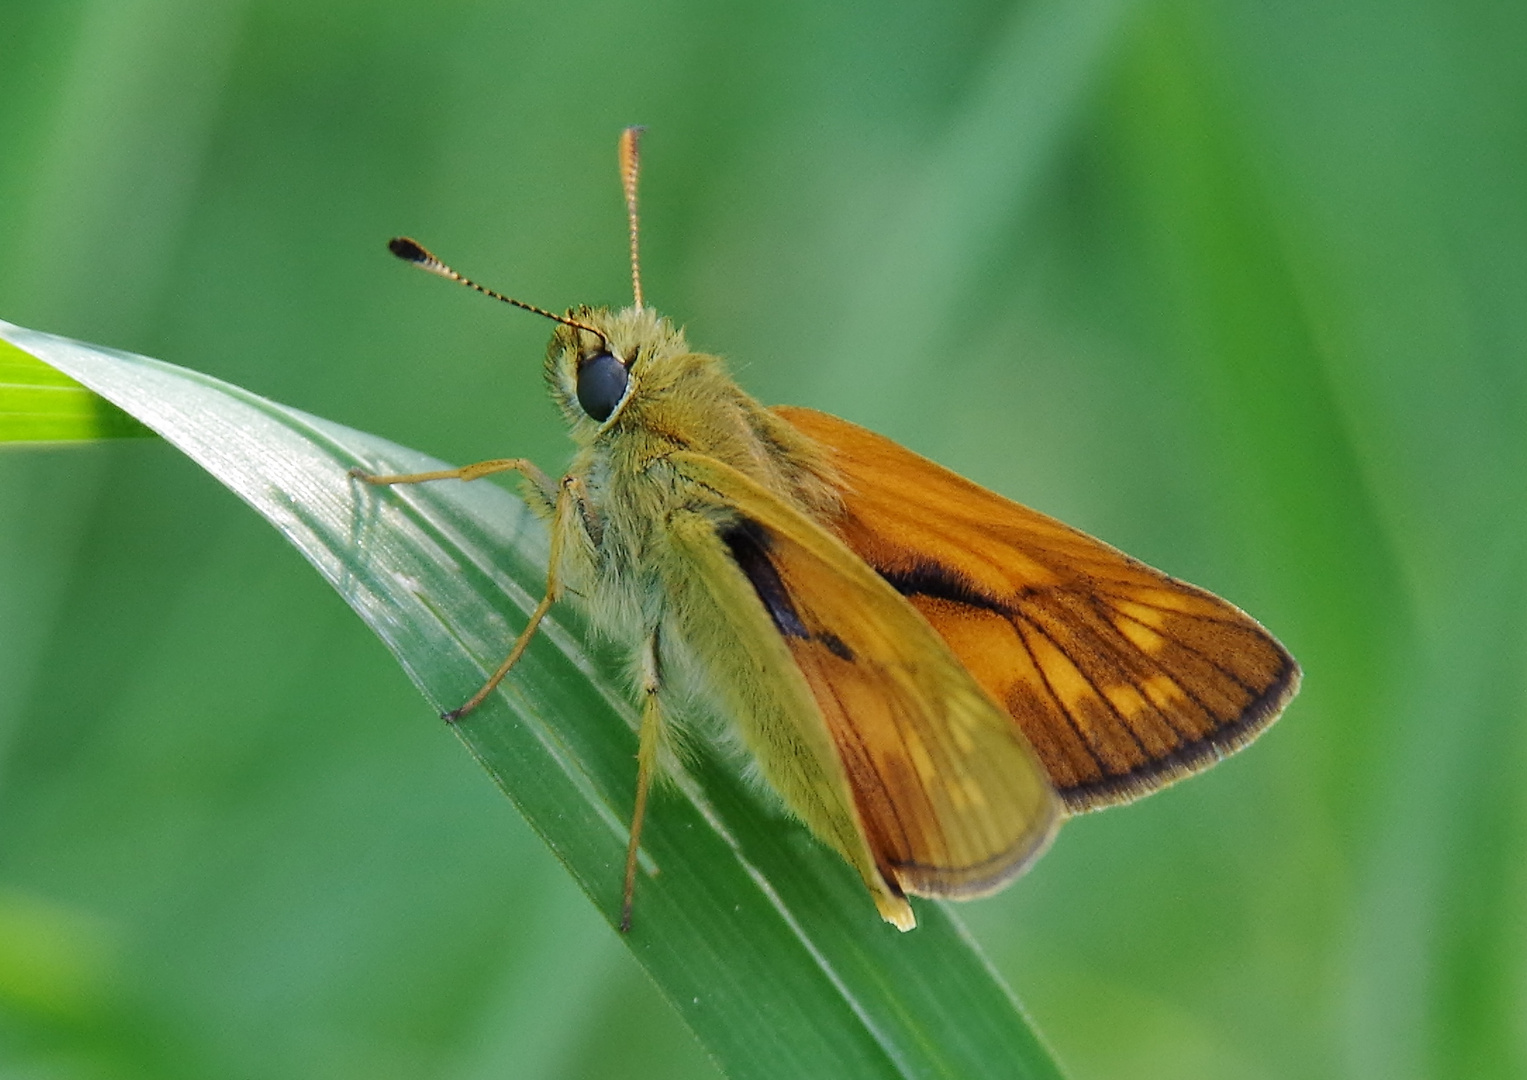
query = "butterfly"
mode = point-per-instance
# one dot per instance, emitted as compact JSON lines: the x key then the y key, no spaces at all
{"x":930,"y":676}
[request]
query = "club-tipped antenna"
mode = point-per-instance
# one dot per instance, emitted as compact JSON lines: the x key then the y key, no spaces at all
{"x":410,"y":250}
{"x":630,"y":166}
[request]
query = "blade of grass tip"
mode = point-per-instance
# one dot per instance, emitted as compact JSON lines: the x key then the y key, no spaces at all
{"x":757,"y":935}
{"x":40,"y":404}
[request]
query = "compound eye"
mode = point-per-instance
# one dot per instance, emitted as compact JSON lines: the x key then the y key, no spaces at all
{"x":601,"y":384}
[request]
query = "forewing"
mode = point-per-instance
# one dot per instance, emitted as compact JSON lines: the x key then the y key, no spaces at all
{"x":951,"y":798}
{"x":1123,"y":679}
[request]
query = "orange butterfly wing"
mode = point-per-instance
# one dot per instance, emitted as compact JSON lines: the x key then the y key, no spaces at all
{"x":1122,"y":678}
{"x":949,"y":799}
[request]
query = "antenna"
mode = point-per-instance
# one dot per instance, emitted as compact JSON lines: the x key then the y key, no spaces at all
{"x":410,"y":250}
{"x":630,"y":165}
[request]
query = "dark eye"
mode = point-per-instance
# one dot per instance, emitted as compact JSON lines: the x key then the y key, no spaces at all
{"x":601,"y":385}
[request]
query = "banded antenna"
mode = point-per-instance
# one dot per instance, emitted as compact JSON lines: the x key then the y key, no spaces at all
{"x":630,"y":166}
{"x":410,"y":250}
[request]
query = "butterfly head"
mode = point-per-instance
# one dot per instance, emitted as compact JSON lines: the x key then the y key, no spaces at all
{"x":599,"y":361}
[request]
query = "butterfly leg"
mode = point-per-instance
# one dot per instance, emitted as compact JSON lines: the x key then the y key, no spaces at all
{"x":567,"y":494}
{"x":555,"y":499}
{"x":540,"y":484}
{"x":646,"y":768}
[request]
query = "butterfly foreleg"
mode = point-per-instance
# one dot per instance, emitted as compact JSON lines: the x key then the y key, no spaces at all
{"x":648,"y":740}
{"x":540,"y":487}
{"x":565,"y":502}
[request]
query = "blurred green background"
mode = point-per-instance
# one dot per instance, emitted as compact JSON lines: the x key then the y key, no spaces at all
{"x":1239,"y":287}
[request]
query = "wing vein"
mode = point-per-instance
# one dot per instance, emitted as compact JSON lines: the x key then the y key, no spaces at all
{"x":1237,"y":623}
{"x":936,"y":830}
{"x":1096,"y":692}
{"x":1123,"y":647}
{"x":851,"y":732}
{"x":1181,"y":644}
{"x":1081,"y":736}
{"x":1186,"y":689}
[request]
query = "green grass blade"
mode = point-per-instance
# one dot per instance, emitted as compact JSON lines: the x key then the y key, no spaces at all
{"x":39,"y":403}
{"x":763,"y":940}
